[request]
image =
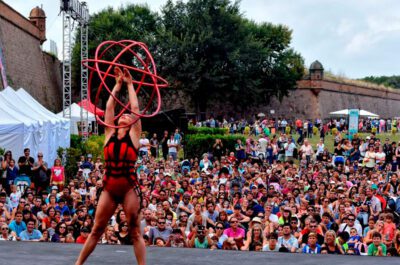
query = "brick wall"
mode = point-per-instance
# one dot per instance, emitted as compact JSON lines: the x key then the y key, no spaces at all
{"x":27,"y":65}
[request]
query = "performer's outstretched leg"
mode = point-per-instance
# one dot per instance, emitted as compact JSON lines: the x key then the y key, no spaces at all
{"x":132,"y":210}
{"x":105,"y":209}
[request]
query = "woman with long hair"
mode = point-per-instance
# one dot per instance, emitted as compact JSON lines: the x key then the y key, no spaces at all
{"x":330,"y":245}
{"x":120,"y":183}
{"x":60,"y":235}
{"x":255,"y":239}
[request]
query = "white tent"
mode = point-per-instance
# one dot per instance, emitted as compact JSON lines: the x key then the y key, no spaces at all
{"x":76,"y":117}
{"x":345,"y":112}
{"x":26,"y":123}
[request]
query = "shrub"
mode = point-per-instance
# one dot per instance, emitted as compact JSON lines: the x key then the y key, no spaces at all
{"x":198,"y":144}
{"x":394,"y":130}
{"x":94,"y":146}
{"x":288,"y":130}
{"x":315,"y":130}
{"x":374,"y":130}
{"x":206,"y":130}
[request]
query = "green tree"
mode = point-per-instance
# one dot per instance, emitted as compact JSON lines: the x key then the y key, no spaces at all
{"x":205,"y":48}
{"x":388,"y":81}
{"x":210,"y":51}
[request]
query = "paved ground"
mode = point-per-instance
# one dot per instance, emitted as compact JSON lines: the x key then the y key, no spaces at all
{"x":20,"y":253}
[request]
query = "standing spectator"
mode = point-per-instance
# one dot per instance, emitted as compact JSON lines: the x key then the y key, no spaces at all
{"x":25,"y":163}
{"x":144,"y":146}
{"x":289,"y":149}
{"x":3,"y":167}
{"x":30,"y":234}
{"x":173,"y":147}
{"x":11,"y":175}
{"x":57,"y":175}
{"x":40,"y":171}
{"x":154,"y":146}
{"x":164,"y":145}
{"x":218,"y":149}
{"x":240,"y":150}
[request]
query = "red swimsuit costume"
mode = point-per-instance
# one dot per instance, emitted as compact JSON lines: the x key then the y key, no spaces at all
{"x":120,"y":156}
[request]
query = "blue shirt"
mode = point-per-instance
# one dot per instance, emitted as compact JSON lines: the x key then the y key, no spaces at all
{"x":25,"y":236}
{"x":17,"y":228}
{"x":308,"y":250}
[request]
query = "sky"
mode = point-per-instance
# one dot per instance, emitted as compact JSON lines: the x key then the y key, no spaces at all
{"x":351,"y":38}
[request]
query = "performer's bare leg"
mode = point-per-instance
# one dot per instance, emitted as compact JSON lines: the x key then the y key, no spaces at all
{"x":105,"y":209}
{"x":131,"y":207}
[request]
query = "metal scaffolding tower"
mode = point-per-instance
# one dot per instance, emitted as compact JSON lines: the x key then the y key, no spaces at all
{"x":67,"y":28}
{"x":76,"y":11}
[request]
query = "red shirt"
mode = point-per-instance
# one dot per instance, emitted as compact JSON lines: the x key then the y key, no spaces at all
{"x":81,"y":240}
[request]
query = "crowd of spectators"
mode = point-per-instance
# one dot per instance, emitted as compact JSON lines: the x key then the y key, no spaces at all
{"x":293,"y":198}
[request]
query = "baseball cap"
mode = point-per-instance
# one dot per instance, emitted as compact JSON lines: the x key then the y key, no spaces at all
{"x":54,"y":188}
{"x":374,"y":187}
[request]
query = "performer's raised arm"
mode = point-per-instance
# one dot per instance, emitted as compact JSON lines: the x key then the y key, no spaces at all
{"x":136,"y":128}
{"x":110,"y":106}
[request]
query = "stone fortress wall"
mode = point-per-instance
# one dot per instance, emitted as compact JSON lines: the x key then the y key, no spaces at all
{"x":27,"y":66}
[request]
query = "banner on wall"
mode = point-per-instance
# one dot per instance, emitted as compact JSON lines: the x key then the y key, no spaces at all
{"x":353,"y":122}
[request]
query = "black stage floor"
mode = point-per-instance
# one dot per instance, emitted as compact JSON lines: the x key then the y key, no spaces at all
{"x":21,"y":253}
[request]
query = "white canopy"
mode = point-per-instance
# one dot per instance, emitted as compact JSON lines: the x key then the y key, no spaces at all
{"x":25,"y":123}
{"x":76,"y":117}
{"x":345,"y":112}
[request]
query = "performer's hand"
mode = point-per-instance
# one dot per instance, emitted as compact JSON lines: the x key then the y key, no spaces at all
{"x":119,"y":76}
{"x":127,"y":76}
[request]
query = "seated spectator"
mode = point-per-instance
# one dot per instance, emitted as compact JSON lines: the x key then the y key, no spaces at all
{"x":123,"y":234}
{"x":17,"y":225}
{"x":377,"y":248}
{"x":109,"y":236}
{"x":5,"y":235}
{"x":312,"y":247}
{"x":60,"y":234}
{"x":200,"y":238}
{"x":30,"y":234}
{"x":272,"y":244}
{"x":235,"y":234}
{"x":84,"y":235}
{"x":160,"y":231}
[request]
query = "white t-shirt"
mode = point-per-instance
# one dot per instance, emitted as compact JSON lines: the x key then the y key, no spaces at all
{"x":290,"y":149}
{"x":263,"y":144}
{"x":172,"y":149}
{"x":14,"y":199}
{"x":143,"y":143}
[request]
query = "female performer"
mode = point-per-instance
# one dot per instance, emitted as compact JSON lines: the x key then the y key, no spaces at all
{"x":120,"y":181}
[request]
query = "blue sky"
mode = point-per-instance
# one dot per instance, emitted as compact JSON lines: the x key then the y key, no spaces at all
{"x":352,"y":38}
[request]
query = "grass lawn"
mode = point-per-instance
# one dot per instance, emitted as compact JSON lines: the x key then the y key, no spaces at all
{"x":329,"y":139}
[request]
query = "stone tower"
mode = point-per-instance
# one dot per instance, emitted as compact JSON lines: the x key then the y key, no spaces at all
{"x":38,"y":18}
{"x":316,"y":71}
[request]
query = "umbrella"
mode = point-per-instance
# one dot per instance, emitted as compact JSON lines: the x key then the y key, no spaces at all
{"x":362,"y":112}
